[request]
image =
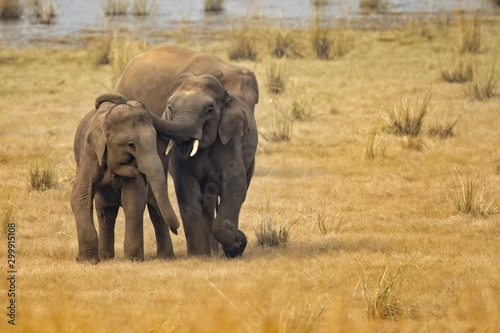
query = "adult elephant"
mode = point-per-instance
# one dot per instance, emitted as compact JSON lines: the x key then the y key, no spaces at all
{"x":211,"y":174}
{"x":116,"y":153}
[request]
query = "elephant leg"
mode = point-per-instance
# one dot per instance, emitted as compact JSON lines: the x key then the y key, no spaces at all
{"x":209,"y":206}
{"x":225,"y":226}
{"x":107,"y":203}
{"x":82,"y":206}
{"x":250,"y":173}
{"x":189,"y":198}
{"x":164,"y":247}
{"x":133,"y":199}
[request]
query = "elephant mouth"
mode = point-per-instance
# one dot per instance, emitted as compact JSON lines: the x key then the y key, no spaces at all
{"x":187,"y":149}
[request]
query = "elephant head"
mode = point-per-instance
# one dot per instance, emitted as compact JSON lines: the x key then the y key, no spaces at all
{"x":203,"y":103}
{"x":124,"y":139}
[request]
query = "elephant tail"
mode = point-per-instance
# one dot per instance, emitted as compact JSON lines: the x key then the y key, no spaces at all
{"x":112,"y":97}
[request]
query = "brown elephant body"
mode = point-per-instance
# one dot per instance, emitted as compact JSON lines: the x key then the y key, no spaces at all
{"x":148,"y":76}
{"x":219,"y":98}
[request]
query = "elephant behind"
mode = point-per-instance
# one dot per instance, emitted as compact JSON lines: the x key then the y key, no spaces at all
{"x":212,"y":172}
{"x":148,"y":76}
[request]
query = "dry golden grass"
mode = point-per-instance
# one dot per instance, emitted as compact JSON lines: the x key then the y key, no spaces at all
{"x":393,"y":210}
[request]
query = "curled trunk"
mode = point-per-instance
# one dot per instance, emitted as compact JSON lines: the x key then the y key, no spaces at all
{"x":176,"y":130}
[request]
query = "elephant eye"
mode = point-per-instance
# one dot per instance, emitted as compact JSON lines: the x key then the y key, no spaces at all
{"x":210,"y":110}
{"x":131,"y":145}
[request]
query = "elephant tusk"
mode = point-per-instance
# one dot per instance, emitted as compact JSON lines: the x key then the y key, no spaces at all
{"x":169,"y":147}
{"x":196,"y":144}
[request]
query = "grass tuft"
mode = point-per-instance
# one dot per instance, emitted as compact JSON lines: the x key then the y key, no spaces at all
{"x":444,"y":130}
{"x":143,"y":7}
{"x":44,"y":11}
{"x":8,"y":211}
{"x":115,"y":7}
{"x":213,"y":6}
{"x":326,"y":224}
{"x":300,"y":104}
{"x":322,"y":41}
{"x":100,"y":50}
{"x":457,"y":71}
{"x":285,"y":45}
{"x":281,"y":125}
{"x":472,"y":196}
{"x":43,"y":170}
{"x":268,"y":233}
{"x":415,"y":143}
{"x":484,"y":81}
{"x":376,"y":144}
{"x":406,"y":119}
{"x":10,"y":9}
{"x":383,"y":300}
{"x":276,"y":77}
{"x":370,"y":6}
{"x":242,"y":47}
{"x":470,"y":32}
{"x":326,"y":42}
{"x":319,"y":2}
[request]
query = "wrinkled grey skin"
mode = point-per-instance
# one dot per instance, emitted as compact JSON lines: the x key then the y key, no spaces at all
{"x":220,"y":105}
{"x":116,"y":152}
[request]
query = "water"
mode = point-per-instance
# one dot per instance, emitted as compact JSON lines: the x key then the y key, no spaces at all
{"x":78,"y":19}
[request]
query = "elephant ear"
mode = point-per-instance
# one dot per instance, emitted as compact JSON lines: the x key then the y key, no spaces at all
{"x":97,"y":140}
{"x":234,"y":121}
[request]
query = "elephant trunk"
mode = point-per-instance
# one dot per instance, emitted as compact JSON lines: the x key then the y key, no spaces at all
{"x":152,"y":168}
{"x":176,"y":130}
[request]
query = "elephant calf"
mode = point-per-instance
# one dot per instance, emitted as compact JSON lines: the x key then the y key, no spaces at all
{"x":118,"y":163}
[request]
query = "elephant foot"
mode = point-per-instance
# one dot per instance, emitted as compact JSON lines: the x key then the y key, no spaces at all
{"x":93,"y":261}
{"x":90,"y":256}
{"x":239,"y":246}
{"x":136,"y":257}
{"x":106,"y":256}
{"x":166,"y":255}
